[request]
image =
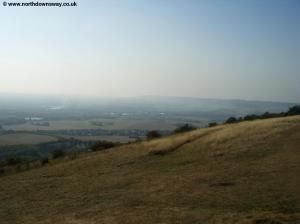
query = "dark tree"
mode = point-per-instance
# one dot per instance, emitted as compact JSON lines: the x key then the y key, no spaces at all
{"x":251,"y":117}
{"x":184,"y":128}
{"x":231,"y":120}
{"x":58,"y":153}
{"x":212,"y":124}
{"x":44,"y":161}
{"x":101,"y":145}
{"x":13,"y":161}
{"x":153,"y":134}
{"x":266,"y":115}
{"x":295,"y":110}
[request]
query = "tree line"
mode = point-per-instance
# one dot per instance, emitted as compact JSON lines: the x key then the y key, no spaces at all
{"x":295,"y":110}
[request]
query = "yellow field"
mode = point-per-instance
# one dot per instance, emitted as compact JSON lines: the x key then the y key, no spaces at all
{"x":88,"y":124}
{"x":240,"y":173}
{"x":114,"y":138}
{"x":54,"y":125}
{"x":24,"y":139}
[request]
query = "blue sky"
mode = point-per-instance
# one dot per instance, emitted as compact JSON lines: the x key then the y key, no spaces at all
{"x":213,"y":49}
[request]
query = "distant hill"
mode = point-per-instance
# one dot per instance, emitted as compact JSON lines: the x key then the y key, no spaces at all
{"x":65,"y":107}
{"x":239,"y":173}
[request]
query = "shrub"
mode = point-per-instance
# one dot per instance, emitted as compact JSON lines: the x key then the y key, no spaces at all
{"x":158,"y":152}
{"x":231,"y":120}
{"x":251,"y":117}
{"x":153,"y":134}
{"x":295,"y":110}
{"x":212,"y":124}
{"x":266,"y":115}
{"x":44,"y":161}
{"x":13,"y":161}
{"x":184,"y":128}
{"x":58,"y":153}
{"x":101,"y":145}
{"x":18,"y":167}
{"x":138,"y":139}
{"x":73,"y":155}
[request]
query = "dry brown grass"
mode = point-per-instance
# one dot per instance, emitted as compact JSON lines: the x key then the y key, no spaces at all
{"x":240,"y":173}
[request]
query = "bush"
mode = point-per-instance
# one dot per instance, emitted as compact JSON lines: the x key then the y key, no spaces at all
{"x":58,"y":153}
{"x":158,"y":152}
{"x":44,"y":161}
{"x":73,"y":155}
{"x":13,"y":161}
{"x":184,"y":128}
{"x":101,"y":145}
{"x":212,"y":124}
{"x":251,"y":117}
{"x":240,"y":119}
{"x":231,"y":120}
{"x":266,"y":115}
{"x":153,"y":134}
{"x":295,"y":110}
{"x":138,"y":139}
{"x":2,"y":171}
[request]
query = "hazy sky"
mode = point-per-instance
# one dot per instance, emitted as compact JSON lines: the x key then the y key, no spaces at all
{"x":213,"y":49}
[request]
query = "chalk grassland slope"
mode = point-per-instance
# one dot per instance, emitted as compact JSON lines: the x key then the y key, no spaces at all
{"x":240,"y":173}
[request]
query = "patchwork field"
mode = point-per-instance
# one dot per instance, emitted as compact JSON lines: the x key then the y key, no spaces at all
{"x":246,"y":173}
{"x":110,"y":124}
{"x":54,"y":125}
{"x":24,"y":139}
{"x":122,"y":139}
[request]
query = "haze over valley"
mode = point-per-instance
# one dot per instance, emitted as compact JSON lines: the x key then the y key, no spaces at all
{"x":150,"y":112}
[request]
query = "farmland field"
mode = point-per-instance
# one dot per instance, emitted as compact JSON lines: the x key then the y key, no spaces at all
{"x":54,"y":125}
{"x":110,"y":124}
{"x":24,"y":139}
{"x":122,"y":139}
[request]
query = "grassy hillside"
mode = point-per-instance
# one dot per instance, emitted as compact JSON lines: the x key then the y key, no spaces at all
{"x":239,"y":173}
